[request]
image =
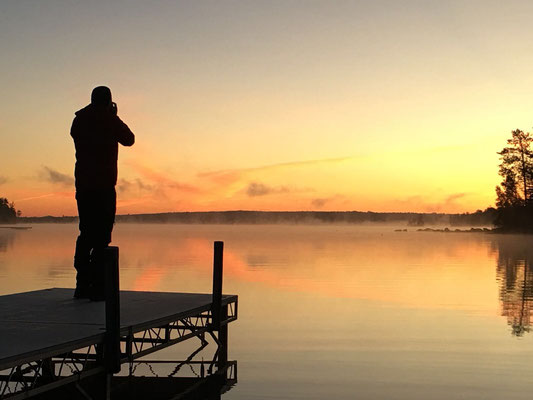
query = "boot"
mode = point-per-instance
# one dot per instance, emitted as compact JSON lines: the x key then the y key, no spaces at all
{"x":82,"y":291}
{"x":83,"y":282}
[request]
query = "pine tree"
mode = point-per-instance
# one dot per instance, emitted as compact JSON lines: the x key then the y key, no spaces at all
{"x":7,"y":211}
{"x":516,"y":169}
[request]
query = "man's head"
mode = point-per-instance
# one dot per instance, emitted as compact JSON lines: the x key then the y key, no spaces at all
{"x":101,"y":96}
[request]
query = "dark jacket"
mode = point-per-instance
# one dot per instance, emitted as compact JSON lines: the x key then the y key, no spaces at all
{"x":96,"y":132}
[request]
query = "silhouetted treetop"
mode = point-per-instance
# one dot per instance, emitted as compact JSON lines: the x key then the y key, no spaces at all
{"x":514,"y":194}
{"x":516,"y":170}
{"x":7,"y":211}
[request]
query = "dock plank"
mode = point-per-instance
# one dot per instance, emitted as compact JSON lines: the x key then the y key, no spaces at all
{"x":22,"y":342}
{"x":50,"y":320}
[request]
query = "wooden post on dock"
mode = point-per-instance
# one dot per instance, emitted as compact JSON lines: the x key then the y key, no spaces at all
{"x":218,"y":311}
{"x":112,"y":310}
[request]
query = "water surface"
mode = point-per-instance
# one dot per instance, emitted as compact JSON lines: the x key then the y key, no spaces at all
{"x":332,"y":311}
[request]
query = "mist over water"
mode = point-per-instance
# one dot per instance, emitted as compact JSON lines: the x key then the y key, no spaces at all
{"x":330,"y":311}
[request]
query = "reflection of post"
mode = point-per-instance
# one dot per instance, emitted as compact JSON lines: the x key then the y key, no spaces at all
{"x":523,"y":325}
{"x":223,"y":338}
{"x":220,"y":313}
{"x":112,"y":310}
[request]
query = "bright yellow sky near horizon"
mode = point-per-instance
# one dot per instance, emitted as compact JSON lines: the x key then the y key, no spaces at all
{"x":278,"y":105}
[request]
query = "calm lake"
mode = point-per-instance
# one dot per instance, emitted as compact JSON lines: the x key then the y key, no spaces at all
{"x":344,"y":312}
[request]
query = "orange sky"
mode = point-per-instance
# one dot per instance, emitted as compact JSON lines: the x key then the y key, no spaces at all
{"x":301,"y":105}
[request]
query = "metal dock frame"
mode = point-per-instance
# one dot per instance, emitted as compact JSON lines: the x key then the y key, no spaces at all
{"x":103,"y":354}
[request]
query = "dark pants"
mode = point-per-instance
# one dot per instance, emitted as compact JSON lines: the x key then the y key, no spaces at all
{"x":96,"y":209}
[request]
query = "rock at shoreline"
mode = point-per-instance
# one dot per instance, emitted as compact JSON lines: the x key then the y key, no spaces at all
{"x":446,"y":230}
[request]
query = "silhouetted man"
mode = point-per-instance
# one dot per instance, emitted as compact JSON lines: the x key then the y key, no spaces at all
{"x":97,"y":131}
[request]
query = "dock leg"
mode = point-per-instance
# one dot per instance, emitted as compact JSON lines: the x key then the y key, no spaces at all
{"x":217,"y":283}
{"x":223,"y":341}
{"x":112,"y":310}
{"x":108,"y":379}
{"x":219,"y":312}
{"x":48,"y":370}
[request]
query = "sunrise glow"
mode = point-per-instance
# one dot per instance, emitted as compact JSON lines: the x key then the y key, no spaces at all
{"x":301,"y":105}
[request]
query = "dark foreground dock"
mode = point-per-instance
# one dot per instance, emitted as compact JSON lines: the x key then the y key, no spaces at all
{"x":54,"y":346}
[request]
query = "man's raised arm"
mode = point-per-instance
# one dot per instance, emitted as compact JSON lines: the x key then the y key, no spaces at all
{"x":124,"y":135}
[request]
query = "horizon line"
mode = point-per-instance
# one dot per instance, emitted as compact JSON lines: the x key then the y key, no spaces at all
{"x":274,"y":211}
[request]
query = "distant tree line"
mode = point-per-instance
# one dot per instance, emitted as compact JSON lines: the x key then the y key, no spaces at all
{"x":514,"y":195}
{"x":479,"y":218}
{"x":8,"y":213}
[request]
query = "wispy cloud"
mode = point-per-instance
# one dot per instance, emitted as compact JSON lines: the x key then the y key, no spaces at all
{"x":453,"y":197}
{"x":422,"y":203}
{"x":255,"y":189}
{"x":157,"y":182}
{"x":164,"y":180}
{"x":319,"y":203}
{"x":231,"y":175}
{"x":3,"y":179}
{"x":125,"y":185}
{"x":50,"y":175}
{"x":42,"y":196}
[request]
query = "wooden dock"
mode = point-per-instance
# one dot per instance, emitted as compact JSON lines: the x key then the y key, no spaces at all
{"x":49,"y":340}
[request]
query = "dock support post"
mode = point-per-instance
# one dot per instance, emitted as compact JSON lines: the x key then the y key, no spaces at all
{"x":218,"y":311}
{"x":223,"y":339}
{"x":112,"y":310}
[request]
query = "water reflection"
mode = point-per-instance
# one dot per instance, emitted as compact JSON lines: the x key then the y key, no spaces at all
{"x":515,"y":275}
{"x":7,"y":238}
{"x":409,"y":315}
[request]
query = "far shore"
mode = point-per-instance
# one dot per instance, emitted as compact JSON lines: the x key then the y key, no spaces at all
{"x":479,"y":219}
